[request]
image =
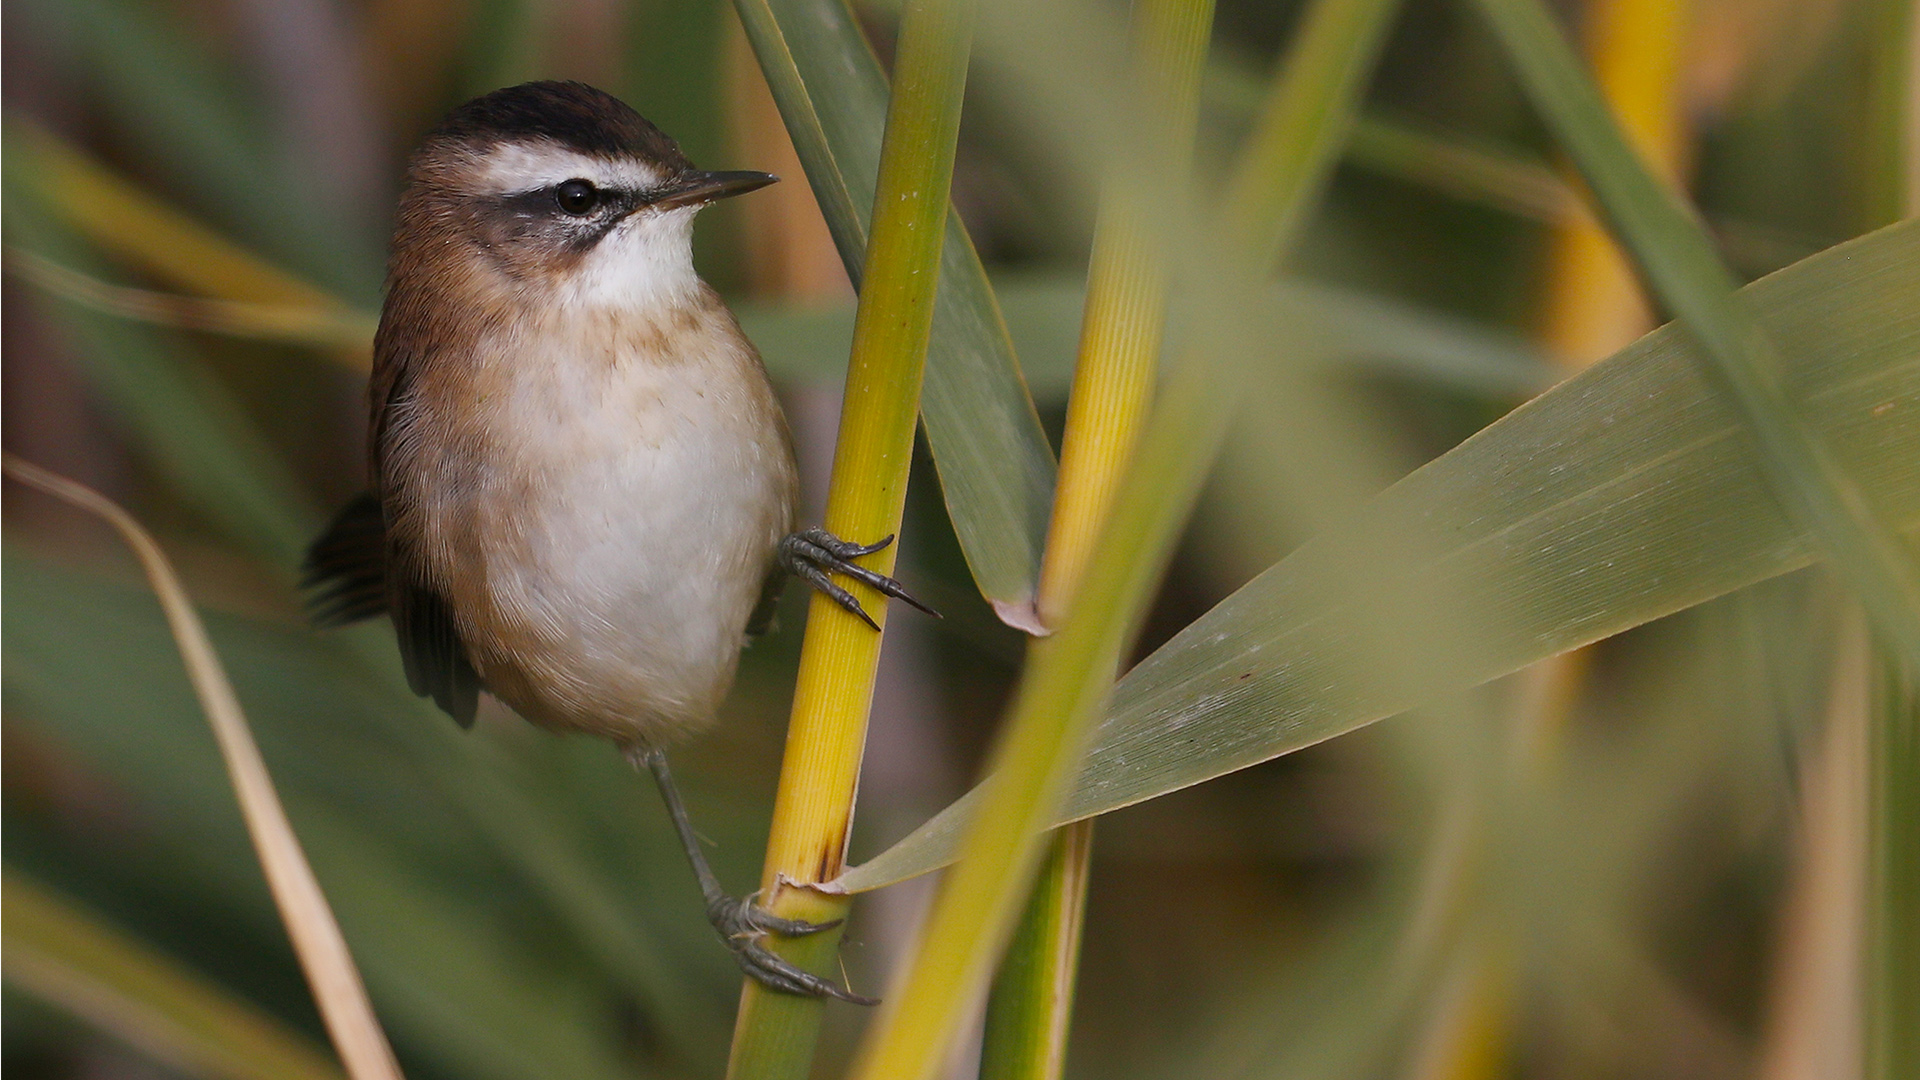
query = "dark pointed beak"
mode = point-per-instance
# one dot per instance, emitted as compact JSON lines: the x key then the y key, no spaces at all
{"x":700,"y":188}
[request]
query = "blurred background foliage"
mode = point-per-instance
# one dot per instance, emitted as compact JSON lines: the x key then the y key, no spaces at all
{"x":1609,"y":865}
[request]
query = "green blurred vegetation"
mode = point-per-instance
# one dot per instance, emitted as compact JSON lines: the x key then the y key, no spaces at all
{"x":1622,"y":889}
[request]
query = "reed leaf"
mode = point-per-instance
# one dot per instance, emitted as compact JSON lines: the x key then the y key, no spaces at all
{"x":1068,"y":676}
{"x":133,"y":224}
{"x":996,"y":468}
{"x":1625,"y":494}
{"x":1685,"y":273}
{"x":340,"y":331}
{"x":64,"y":955}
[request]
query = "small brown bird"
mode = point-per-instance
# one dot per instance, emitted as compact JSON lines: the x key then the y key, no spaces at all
{"x":583,"y":487}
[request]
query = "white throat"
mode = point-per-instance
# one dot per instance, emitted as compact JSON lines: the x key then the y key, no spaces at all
{"x":644,"y":264}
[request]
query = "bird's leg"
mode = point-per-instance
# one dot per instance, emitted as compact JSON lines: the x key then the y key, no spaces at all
{"x":811,"y":553}
{"x":743,"y":925}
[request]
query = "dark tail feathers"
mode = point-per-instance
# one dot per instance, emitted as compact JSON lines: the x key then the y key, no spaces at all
{"x":346,"y":568}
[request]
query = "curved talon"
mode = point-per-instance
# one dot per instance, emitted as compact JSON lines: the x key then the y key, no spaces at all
{"x":881,"y":583}
{"x":740,"y":917}
{"x":811,"y":553}
{"x":844,"y":549}
{"x":745,"y":925}
{"x":813,"y":576}
{"x":762,"y":965}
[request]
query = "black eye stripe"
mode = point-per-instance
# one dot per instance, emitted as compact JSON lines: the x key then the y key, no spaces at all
{"x":535,"y":215}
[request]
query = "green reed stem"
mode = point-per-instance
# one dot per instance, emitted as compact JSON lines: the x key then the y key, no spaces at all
{"x":1031,"y":1004}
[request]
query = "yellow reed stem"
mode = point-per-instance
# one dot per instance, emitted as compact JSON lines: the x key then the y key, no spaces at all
{"x":813,"y":810}
{"x":1112,"y":387}
{"x":1125,"y":314}
{"x":1594,"y":302}
{"x":1031,"y":1004}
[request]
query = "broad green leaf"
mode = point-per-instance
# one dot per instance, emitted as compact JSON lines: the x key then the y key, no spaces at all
{"x":1625,"y":494}
{"x":64,"y":955}
{"x":1685,"y":273}
{"x":996,"y":468}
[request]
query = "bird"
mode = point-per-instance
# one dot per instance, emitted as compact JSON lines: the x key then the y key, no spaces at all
{"x":582,"y":486}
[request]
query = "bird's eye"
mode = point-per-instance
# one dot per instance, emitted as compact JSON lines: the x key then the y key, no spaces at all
{"x":577,"y":197}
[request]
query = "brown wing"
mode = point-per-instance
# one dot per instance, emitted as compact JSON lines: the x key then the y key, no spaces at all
{"x":431,"y":650}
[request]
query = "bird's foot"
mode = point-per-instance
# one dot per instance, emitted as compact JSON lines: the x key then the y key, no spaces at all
{"x":810,"y":554}
{"x":744,"y":925}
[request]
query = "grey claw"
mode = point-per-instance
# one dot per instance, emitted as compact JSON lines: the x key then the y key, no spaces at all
{"x":811,"y":553}
{"x":817,"y":578}
{"x":745,"y":924}
{"x":742,"y":918}
{"x":742,"y":924}
{"x":762,"y":965}
{"x":843,"y":549}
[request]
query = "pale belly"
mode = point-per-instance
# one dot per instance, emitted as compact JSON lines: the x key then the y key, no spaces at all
{"x":606,"y":561}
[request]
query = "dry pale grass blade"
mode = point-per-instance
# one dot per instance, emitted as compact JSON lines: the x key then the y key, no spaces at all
{"x":62,"y":955}
{"x":317,"y":940}
{"x":1813,"y":1027}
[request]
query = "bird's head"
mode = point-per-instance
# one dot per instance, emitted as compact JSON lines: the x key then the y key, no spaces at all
{"x":556,"y":193}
